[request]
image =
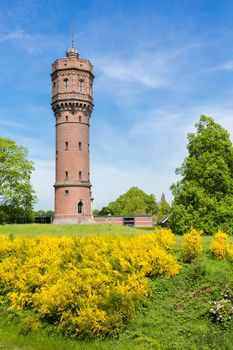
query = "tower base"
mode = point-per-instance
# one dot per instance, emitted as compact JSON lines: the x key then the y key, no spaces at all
{"x":72,"y":220}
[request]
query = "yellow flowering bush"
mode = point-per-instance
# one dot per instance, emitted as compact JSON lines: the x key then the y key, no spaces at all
{"x":192,"y":245}
{"x":165,"y":238}
{"x":84,"y":285}
{"x":219,"y":245}
{"x":230,"y":252}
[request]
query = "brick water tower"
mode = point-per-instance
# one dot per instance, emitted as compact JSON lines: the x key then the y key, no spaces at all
{"x":72,"y":104}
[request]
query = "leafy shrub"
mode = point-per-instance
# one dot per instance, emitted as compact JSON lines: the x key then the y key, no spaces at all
{"x":192,"y":245}
{"x":230,"y":252}
{"x":30,"y":324}
{"x":219,"y":245}
{"x":222,"y":310}
{"x":85,"y":286}
{"x":196,"y":269}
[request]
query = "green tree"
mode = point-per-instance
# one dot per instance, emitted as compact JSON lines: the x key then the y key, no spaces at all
{"x":133,"y":202}
{"x":16,"y":194}
{"x":48,"y":213}
{"x":203,"y":198}
{"x":163,"y":208}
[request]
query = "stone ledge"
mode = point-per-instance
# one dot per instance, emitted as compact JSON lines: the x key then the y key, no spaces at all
{"x":72,"y":184}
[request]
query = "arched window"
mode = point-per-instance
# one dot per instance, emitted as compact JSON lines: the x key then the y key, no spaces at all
{"x":65,"y":85}
{"x":81,"y":86}
{"x":80,"y":207}
{"x":80,"y":118}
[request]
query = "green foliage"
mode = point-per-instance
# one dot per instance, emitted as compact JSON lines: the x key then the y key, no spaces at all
{"x":163,"y":208}
{"x":48,"y":213}
{"x":134,"y":201}
{"x":197,"y":269}
{"x":203,"y":198}
{"x":16,"y":194}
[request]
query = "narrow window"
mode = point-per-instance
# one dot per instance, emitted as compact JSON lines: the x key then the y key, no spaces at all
{"x":80,"y":207}
{"x":80,"y":176}
{"x":66,"y":192}
{"x":81,"y":86}
{"x":56,"y":154}
{"x":66,"y":175}
{"x":80,"y":146}
{"x":91,"y":89}
{"x":54,"y":84}
{"x":66,"y":118}
{"x":65,"y":85}
{"x":66,"y":146}
{"x":80,"y":118}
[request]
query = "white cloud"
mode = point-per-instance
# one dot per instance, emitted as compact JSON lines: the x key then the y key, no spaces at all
{"x":17,"y":34}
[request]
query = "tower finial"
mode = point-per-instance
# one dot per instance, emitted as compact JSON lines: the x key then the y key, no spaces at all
{"x":72,"y":52}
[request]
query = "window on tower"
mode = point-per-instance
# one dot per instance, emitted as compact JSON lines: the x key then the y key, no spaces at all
{"x":80,"y":207}
{"x":66,"y":118}
{"x":81,"y":86}
{"x":66,"y":146}
{"x":80,"y":146}
{"x":91,"y":89}
{"x":66,"y":175}
{"x":66,"y":192}
{"x":80,"y":118}
{"x":80,"y":176}
{"x":65,"y":85}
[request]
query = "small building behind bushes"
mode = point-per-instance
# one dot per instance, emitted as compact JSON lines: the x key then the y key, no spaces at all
{"x":164,"y":221}
{"x":131,"y":220}
{"x":43,"y":220}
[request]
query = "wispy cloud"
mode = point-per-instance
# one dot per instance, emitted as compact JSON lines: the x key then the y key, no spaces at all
{"x":154,"y":69}
{"x":227,"y":65}
{"x":17,"y":34}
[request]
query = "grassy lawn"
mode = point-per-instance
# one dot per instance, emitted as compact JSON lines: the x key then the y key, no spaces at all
{"x":31,"y":230}
{"x":174,"y":317}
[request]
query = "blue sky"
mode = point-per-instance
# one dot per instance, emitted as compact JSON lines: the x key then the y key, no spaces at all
{"x":158,"y":66}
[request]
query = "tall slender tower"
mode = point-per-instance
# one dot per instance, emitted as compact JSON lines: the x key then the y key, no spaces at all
{"x":72,"y":104}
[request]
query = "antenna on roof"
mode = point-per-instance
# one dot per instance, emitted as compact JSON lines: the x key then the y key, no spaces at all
{"x":72,"y":52}
{"x":72,"y":31}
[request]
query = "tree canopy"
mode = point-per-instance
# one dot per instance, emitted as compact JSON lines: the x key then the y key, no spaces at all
{"x":16,"y":194}
{"x":163,"y":208}
{"x":133,"y":202}
{"x":41,"y":212}
{"x":203,"y":198}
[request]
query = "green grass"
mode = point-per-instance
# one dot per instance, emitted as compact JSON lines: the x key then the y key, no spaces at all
{"x":174,"y":317}
{"x":31,"y":230}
